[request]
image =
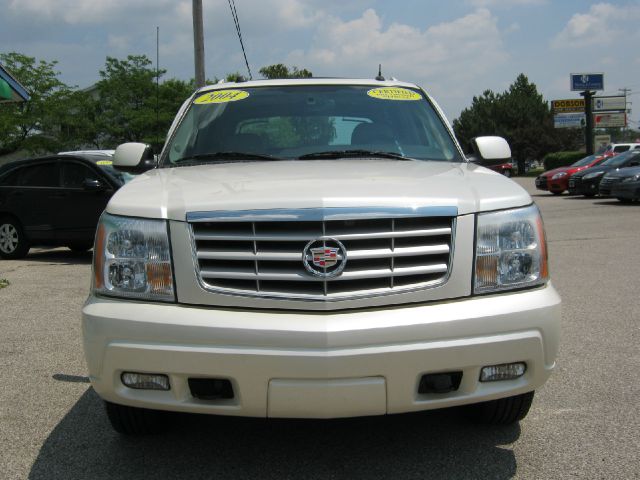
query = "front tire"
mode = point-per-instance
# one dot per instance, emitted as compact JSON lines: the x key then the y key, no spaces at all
{"x":13,"y":241}
{"x":624,"y":200}
{"x":507,"y":173}
{"x":503,"y":411}
{"x":136,"y":421}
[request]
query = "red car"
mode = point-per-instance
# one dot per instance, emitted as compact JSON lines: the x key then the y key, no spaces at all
{"x":557,"y":180}
{"x":504,"y":168}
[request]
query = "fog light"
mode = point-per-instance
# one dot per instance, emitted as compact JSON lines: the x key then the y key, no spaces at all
{"x":506,"y":371}
{"x":145,"y":381}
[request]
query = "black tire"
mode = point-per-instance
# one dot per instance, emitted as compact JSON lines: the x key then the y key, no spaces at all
{"x":624,"y":200}
{"x":590,"y":194}
{"x":136,"y":421}
{"x":503,"y":411}
{"x":556,"y":193}
{"x":13,"y":242}
{"x":507,"y":173}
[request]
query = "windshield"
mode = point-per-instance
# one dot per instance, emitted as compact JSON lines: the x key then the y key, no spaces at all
{"x":620,"y":159}
{"x":584,"y":161}
{"x":121,"y":177}
{"x":310,"y":121}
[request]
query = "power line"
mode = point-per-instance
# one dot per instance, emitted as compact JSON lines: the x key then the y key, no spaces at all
{"x":234,"y":14}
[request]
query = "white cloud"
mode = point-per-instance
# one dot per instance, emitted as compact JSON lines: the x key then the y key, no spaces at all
{"x":514,"y":27}
{"x":283,"y":14}
{"x":449,"y":58}
{"x":118,"y":42}
{"x":88,"y":11}
{"x":505,"y":3}
{"x":603,"y":24}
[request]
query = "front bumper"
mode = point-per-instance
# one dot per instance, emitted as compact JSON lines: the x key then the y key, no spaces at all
{"x":628,"y":190}
{"x":557,"y":186}
{"x":541,"y":183}
{"x":320,"y":365}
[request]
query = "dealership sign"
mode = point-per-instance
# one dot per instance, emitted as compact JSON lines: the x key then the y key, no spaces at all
{"x":569,"y":105}
{"x":602,"y":104}
{"x":569,"y":120}
{"x":610,"y":120}
{"x":586,"y":81}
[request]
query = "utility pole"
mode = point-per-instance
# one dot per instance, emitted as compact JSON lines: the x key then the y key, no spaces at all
{"x":198,"y":42}
{"x":158,"y":85}
{"x":588,"y":131}
{"x":627,"y":111}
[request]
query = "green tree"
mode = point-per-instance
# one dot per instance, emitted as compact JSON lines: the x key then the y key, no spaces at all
{"x":126,"y":94}
{"x":33,"y":125}
{"x":521,"y":115}
{"x":131,"y":107}
{"x":78,"y":125}
{"x":234,"y":77}
{"x":280,"y":70}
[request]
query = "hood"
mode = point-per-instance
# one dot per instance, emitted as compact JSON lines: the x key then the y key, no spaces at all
{"x":172,"y":192}
{"x":597,"y":168}
{"x":625,"y":172}
{"x":567,"y":169}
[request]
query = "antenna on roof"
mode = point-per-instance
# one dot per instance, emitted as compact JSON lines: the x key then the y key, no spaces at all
{"x":380,"y":78}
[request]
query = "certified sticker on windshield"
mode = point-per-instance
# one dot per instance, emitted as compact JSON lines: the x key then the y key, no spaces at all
{"x":104,"y":162}
{"x":394,"y":93}
{"x":221,"y":96}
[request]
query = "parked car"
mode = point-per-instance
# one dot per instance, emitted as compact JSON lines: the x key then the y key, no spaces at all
{"x":556,"y":181}
{"x":616,"y":148}
{"x":54,"y":201}
{"x":623,"y":184}
{"x":504,"y":168}
{"x":318,"y":248}
{"x":587,"y":181}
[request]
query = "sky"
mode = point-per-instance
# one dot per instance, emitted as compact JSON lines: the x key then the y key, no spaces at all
{"x":454,"y":49}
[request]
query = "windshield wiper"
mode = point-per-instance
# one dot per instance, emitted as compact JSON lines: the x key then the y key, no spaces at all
{"x":194,"y":159}
{"x":330,"y":154}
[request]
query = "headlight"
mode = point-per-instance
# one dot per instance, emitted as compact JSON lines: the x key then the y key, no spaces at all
{"x":131,"y":259}
{"x":559,"y":175}
{"x":592,"y":175}
{"x":511,"y":250}
{"x":635,"y":178}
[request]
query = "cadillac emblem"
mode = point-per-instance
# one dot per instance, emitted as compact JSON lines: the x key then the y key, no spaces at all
{"x":324,"y":258}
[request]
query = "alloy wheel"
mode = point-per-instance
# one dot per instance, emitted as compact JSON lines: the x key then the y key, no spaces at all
{"x":8,"y":238}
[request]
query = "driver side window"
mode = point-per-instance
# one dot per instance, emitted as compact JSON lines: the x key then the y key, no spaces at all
{"x":74,"y":174}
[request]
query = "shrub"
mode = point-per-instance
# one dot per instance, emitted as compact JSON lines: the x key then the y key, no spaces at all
{"x":561,"y":159}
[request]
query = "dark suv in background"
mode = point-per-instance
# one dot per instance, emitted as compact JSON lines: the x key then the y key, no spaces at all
{"x":54,"y":201}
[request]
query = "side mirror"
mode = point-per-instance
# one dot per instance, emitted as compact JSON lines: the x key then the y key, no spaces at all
{"x":92,"y":184}
{"x":490,"y":151}
{"x":134,"y":158}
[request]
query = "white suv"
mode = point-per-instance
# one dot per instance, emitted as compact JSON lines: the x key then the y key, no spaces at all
{"x":317,"y":248}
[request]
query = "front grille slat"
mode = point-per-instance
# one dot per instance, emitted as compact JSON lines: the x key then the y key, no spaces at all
{"x":283,"y":237}
{"x":297,"y":255}
{"x":294,"y":276}
{"x":265,"y":258}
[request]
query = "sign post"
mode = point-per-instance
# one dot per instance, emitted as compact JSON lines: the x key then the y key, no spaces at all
{"x":586,"y":83}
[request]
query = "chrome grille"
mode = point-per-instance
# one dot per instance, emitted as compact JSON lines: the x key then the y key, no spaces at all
{"x":263,"y":257}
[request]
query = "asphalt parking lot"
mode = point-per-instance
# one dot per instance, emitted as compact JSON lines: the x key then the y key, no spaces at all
{"x":584,"y":423}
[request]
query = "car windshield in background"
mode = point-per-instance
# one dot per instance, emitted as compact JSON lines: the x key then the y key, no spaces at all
{"x":107,"y":166}
{"x":620,"y":159}
{"x":310,"y":121}
{"x":584,"y":161}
